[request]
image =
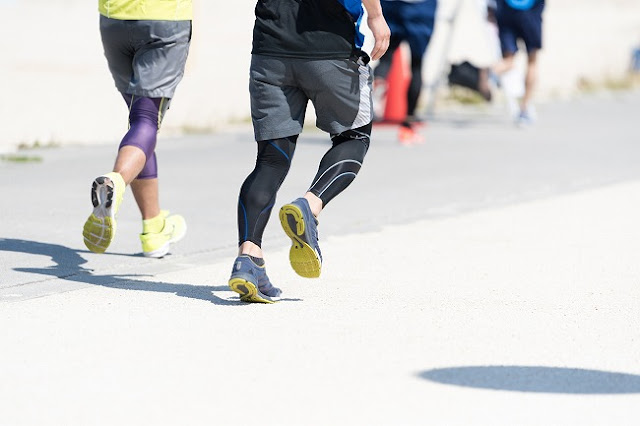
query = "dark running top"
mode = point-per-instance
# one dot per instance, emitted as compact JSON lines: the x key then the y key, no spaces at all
{"x":522,"y":4}
{"x":313,"y":29}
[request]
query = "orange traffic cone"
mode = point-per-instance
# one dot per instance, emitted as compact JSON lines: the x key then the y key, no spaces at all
{"x":395,"y":110}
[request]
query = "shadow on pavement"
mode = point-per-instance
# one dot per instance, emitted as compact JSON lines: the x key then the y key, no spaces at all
{"x":536,"y":379}
{"x":68,"y":266}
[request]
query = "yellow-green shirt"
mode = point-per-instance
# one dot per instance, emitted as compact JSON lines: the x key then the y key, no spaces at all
{"x":161,"y":10}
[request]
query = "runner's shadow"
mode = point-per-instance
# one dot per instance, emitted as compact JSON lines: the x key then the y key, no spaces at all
{"x":111,"y":253}
{"x":536,"y":379}
{"x":69,"y":266}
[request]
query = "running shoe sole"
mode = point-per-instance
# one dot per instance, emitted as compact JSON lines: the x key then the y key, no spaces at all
{"x":158,"y":253}
{"x":100,"y":227}
{"x":248,"y":291}
{"x":302,"y":256}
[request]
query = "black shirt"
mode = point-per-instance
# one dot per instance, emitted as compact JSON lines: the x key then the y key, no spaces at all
{"x":314,"y":29}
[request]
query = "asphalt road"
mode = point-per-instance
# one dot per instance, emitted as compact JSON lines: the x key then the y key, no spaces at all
{"x":473,"y":160}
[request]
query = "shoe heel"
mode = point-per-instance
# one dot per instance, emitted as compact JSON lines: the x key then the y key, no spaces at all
{"x":100,"y":228}
{"x":102,"y":191}
{"x":302,"y":257}
{"x":94,"y":194}
{"x":292,"y":221}
{"x":248,"y":291}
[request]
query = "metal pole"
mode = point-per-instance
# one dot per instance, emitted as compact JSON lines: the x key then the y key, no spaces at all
{"x":433,"y":87}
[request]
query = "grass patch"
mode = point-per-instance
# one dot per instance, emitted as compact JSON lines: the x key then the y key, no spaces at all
{"x":16,"y":158}
{"x":625,"y":82}
{"x":24,"y":146}
{"x":241,"y":120}
{"x":188,"y":129}
{"x":464,"y":96}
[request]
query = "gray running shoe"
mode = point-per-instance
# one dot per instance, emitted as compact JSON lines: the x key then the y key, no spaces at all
{"x":251,"y":282}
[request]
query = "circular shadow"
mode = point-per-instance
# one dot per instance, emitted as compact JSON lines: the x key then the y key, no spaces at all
{"x":536,"y":379}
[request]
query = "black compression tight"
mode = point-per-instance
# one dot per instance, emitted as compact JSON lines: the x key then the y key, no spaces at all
{"x":258,"y":192}
{"x":415,"y":85}
{"x":341,"y":163}
{"x":338,"y":168}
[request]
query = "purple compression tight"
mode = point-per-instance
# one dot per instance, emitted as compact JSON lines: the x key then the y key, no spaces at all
{"x":144,"y":120}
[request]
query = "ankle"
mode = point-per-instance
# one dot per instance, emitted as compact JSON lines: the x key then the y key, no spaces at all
{"x":249,"y":248}
{"x":153,"y":225}
{"x":315,"y":203}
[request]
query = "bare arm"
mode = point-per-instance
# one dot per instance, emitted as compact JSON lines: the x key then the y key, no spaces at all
{"x":378,"y":26}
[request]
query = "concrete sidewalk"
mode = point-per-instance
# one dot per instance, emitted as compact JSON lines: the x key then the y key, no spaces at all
{"x":519,"y":315}
{"x":489,"y":276}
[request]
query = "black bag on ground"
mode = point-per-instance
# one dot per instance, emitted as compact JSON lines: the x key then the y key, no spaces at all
{"x":465,"y":75}
{"x":468,"y":75}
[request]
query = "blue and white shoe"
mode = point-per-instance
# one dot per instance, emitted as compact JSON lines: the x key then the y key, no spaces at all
{"x":251,"y":282}
{"x":526,"y":117}
{"x":301,"y":226}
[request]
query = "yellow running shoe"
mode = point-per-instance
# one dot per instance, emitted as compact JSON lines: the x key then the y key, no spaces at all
{"x":106,"y":195}
{"x":157,"y":244}
{"x":301,"y":226}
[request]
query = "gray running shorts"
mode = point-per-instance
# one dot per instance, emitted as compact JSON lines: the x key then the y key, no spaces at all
{"x":146,"y":58}
{"x":280,"y":88}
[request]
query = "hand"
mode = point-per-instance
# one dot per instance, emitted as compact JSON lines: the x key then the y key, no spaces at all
{"x":381,"y":35}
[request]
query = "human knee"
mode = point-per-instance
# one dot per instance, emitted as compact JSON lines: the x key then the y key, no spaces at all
{"x":272,"y":165}
{"x":361,"y":136}
{"x":149,"y":110}
{"x":144,"y":119}
{"x":341,"y":163}
{"x":277,"y":153}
